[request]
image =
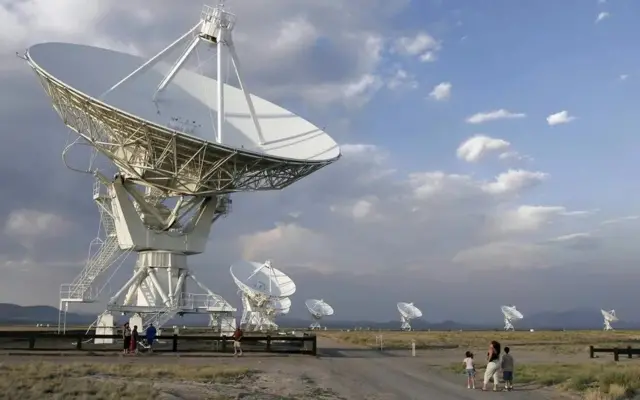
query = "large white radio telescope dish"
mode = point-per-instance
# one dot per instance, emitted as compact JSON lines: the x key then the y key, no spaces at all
{"x":265,"y":292}
{"x":408,"y":312}
{"x":182,"y":143}
{"x":318,"y":309}
{"x":609,"y":317}
{"x":176,"y":129}
{"x":510,"y":314}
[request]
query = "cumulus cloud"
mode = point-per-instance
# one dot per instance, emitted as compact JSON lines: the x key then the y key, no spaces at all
{"x":495,"y":115}
{"x":478,"y":146}
{"x":422,"y":45}
{"x":558,"y":118}
{"x":441,"y":91}
{"x":401,"y":79}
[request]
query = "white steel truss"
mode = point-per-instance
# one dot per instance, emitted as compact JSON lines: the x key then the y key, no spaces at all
{"x":508,"y":326}
{"x":258,"y":313}
{"x":316,"y":322}
{"x":406,"y":323}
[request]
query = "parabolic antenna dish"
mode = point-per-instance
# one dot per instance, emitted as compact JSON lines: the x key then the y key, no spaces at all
{"x":511,"y":312}
{"x":409,"y":311}
{"x":170,"y":142}
{"x":609,"y":315}
{"x":281,"y":305}
{"x":319,"y":308}
{"x":255,"y":278}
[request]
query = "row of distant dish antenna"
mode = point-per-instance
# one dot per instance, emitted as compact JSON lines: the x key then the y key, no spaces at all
{"x":265,"y":292}
{"x":511,"y":314}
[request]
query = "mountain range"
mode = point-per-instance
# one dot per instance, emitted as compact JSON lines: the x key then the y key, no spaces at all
{"x":578,"y":319}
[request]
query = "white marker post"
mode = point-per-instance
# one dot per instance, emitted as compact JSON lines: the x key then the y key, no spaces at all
{"x":413,"y":348}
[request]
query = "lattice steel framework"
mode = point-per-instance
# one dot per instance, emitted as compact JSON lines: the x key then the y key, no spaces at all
{"x":169,"y":160}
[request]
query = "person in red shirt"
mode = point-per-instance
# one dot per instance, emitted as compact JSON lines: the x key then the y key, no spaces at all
{"x":237,"y":337}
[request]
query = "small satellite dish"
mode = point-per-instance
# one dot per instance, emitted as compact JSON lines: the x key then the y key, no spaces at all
{"x":510,"y":314}
{"x":609,"y":317}
{"x":408,"y":312}
{"x":264,"y":290}
{"x":318,"y":310}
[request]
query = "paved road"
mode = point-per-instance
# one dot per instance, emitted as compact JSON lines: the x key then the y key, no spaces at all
{"x":363,"y":373}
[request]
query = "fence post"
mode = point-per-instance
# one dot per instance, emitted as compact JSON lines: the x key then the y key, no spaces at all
{"x":629,"y":351}
{"x":591,"y":352}
{"x":224,"y":343}
{"x":616,"y":354}
{"x":268,"y":343}
{"x":79,"y":342}
{"x":32,"y":342}
{"x":175,"y":344}
{"x":314,"y":345}
{"x":413,"y":348}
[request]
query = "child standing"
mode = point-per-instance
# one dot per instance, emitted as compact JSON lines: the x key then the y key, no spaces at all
{"x":507,"y":364}
{"x":470,"y":369}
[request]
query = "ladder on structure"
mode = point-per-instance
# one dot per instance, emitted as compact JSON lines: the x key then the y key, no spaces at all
{"x":104,"y":251}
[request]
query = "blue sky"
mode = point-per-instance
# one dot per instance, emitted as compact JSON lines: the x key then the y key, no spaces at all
{"x":532,"y":57}
{"x":352,"y":229}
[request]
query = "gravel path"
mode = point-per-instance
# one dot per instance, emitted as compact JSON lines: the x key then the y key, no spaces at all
{"x":339,"y":372}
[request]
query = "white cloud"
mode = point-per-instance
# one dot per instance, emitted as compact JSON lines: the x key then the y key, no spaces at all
{"x":623,"y":77}
{"x":33,"y":224}
{"x":602,"y":15}
{"x":441,"y":91}
{"x":478,"y":146}
{"x":401,"y":79}
{"x":423,"y":45}
{"x":619,"y":220}
{"x":558,"y":118}
{"x":495,"y":115}
{"x":514,"y":181}
{"x":512,"y":155}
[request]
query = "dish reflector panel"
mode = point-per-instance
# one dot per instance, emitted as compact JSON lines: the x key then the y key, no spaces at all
{"x":262,"y":279}
{"x":609,"y":315}
{"x":319,"y":308}
{"x":511,"y":312}
{"x":188,"y":105}
{"x":408,"y":310}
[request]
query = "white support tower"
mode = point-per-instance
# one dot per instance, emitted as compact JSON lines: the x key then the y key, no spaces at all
{"x":508,"y":326}
{"x":609,"y":317}
{"x":163,"y":238}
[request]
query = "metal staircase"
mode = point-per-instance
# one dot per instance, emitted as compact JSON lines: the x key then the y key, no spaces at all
{"x":104,"y":251}
{"x":161,"y":317}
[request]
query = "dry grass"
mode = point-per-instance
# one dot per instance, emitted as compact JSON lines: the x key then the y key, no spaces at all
{"x":594,"y":381}
{"x":554,"y":341}
{"x":103,"y":381}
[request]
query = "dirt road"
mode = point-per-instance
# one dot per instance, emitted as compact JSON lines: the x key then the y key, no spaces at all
{"x":339,"y":372}
{"x":358,"y":373}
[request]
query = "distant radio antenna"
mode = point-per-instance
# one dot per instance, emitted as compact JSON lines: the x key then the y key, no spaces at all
{"x":408,"y":312}
{"x":318,"y":310}
{"x":609,"y":317}
{"x":511,"y":314}
{"x":265,"y":292}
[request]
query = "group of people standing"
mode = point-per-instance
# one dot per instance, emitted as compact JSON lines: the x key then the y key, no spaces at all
{"x":132,"y":337}
{"x":496,"y":362}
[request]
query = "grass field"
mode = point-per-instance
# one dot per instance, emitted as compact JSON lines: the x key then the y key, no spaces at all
{"x":552,"y":341}
{"x":593,"y":381}
{"x":103,"y":381}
